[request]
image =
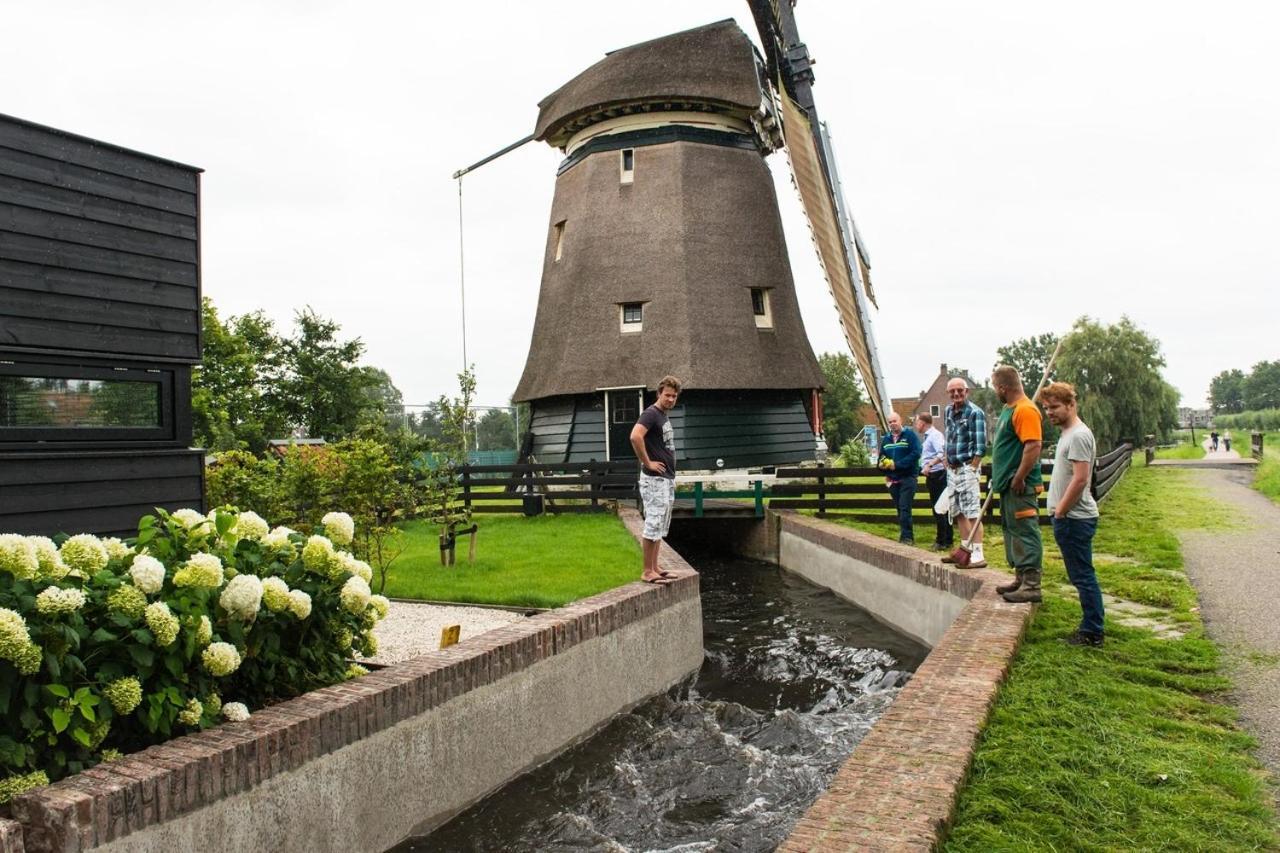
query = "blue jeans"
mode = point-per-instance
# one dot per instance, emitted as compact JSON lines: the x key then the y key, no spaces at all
{"x":1075,"y":539}
{"x":903,"y":493}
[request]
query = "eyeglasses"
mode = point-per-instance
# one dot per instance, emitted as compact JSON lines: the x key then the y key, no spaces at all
{"x":957,"y":392}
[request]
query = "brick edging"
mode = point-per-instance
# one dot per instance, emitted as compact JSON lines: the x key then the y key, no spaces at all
{"x":117,"y":798}
{"x":899,"y":788}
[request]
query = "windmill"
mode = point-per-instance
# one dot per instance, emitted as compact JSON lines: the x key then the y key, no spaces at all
{"x":665,"y":252}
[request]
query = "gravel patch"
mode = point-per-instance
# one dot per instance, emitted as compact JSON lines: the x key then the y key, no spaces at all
{"x":411,"y":629}
{"x":1237,"y":574}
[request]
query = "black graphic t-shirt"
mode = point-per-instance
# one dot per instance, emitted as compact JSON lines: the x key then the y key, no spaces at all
{"x":660,"y":440}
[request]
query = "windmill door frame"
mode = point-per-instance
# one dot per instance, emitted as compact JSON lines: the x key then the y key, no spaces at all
{"x":622,"y":407}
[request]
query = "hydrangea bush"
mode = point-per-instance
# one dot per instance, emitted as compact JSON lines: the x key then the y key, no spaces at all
{"x":107,"y":646}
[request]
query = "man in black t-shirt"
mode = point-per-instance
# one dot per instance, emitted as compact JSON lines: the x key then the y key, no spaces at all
{"x":655,"y":446}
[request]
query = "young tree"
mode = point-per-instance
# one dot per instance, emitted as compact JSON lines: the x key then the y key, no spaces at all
{"x":442,"y":483}
{"x":841,"y":401}
{"x":323,"y":389}
{"x":1226,"y":392}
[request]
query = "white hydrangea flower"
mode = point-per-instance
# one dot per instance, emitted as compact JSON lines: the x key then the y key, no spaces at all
{"x":355,"y":595}
{"x":204,"y":631}
{"x":359,"y":568}
{"x":53,"y":600}
{"x":234,"y":712}
{"x":116,"y":549}
{"x":18,"y":556}
{"x":318,"y":555}
{"x":200,"y":570}
{"x":275,"y":594}
{"x":220,"y":659}
{"x":250,"y":525}
{"x":339,"y":527}
{"x":147,"y":573}
{"x":299,"y":603}
{"x":85,"y":553}
{"x":191,"y":714}
{"x":47,"y":557}
{"x":188,"y":518}
{"x":278,"y":539}
{"x":381,"y":605}
{"x":242,"y":597}
{"x":162,"y":622}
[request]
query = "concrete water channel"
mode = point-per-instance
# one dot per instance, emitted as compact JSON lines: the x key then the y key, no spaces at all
{"x":793,"y":678}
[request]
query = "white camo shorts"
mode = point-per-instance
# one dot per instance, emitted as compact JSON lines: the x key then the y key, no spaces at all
{"x":658,"y":494}
{"x":965,"y":499}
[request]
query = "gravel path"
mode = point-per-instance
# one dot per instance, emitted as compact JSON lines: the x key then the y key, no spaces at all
{"x":411,"y":629}
{"x":1237,"y":574}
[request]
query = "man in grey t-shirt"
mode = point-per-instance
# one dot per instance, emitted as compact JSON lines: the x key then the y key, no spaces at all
{"x":653,"y":440}
{"x":1074,"y":511}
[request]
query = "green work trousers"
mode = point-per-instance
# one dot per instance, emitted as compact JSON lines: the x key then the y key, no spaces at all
{"x":1020,"y":518}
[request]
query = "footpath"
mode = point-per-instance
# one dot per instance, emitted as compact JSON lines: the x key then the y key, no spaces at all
{"x":1237,"y":575}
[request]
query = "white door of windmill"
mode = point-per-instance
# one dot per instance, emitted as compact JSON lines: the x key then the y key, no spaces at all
{"x":622,"y":407}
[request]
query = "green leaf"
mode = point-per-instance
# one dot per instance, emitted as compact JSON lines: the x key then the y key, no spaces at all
{"x":102,"y":635}
{"x":142,"y":656}
{"x":88,"y":713}
{"x":61,"y":718}
{"x":80,"y":694}
{"x":59,"y":690}
{"x":143,"y":636}
{"x":224,"y":521}
{"x":81,"y":737}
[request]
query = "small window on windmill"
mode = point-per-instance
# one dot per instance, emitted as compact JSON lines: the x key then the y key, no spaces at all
{"x":559,"y":238}
{"x":760,"y":307}
{"x":632,"y":316}
{"x":628,"y":165}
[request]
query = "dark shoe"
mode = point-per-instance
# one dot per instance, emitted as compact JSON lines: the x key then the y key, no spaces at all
{"x":938,"y":546}
{"x":1028,"y":592}
{"x":1082,"y":638}
{"x":907,"y":541}
{"x":1011,"y":587}
{"x":948,"y":559}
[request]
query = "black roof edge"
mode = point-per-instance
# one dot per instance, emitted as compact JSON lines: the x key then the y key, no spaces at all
{"x":100,"y":143}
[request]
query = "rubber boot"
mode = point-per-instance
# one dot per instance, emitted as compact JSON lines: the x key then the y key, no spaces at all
{"x":1029,"y":592}
{"x":1012,"y":586}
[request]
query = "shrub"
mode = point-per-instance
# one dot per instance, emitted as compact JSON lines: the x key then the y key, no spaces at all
{"x":110,"y":646}
{"x":854,"y":454}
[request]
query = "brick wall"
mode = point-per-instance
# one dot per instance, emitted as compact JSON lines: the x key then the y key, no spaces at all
{"x":898,"y":790}
{"x":164,"y":783}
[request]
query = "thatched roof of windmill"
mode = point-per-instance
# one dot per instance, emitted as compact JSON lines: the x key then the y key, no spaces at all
{"x":712,"y":65}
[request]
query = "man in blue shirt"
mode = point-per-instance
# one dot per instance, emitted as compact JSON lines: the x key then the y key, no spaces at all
{"x":933,"y":467}
{"x":966,"y":437}
{"x":900,"y":459}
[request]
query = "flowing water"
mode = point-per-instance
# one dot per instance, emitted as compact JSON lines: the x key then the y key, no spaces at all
{"x":792,"y":679}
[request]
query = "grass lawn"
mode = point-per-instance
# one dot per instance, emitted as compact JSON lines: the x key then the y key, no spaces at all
{"x":1181,"y":451}
{"x":545,"y":561}
{"x":1128,"y":747}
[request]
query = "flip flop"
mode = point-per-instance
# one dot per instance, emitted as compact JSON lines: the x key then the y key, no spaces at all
{"x":658,"y":581}
{"x":667,"y":575}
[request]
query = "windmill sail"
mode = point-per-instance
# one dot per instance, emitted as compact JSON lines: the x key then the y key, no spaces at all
{"x":844,"y":260}
{"x":835,"y":242}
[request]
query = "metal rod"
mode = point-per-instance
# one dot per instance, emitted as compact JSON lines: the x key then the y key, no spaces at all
{"x":476,"y":165}
{"x":462,"y":282}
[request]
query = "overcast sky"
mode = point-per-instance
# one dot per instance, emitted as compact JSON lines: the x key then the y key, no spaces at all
{"x":1011,"y":165}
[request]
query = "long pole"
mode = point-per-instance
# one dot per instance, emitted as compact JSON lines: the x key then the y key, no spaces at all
{"x":462,"y":275}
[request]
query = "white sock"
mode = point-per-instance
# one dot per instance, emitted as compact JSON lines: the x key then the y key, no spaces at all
{"x":977,"y":552}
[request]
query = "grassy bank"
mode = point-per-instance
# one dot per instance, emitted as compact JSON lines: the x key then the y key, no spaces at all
{"x":1267,"y":479}
{"x":1181,"y":451}
{"x":546,"y":561}
{"x":1127,"y":747}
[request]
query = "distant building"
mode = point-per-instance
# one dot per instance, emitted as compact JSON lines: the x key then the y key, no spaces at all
{"x":1203,"y":417}
{"x":933,"y":399}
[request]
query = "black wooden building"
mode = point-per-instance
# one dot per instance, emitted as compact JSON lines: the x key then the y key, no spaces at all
{"x":99,"y":329}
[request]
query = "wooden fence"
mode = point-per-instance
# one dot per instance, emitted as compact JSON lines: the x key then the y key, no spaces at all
{"x":857,"y":493}
{"x":538,"y":488}
{"x":831,"y":492}
{"x":1255,"y":445}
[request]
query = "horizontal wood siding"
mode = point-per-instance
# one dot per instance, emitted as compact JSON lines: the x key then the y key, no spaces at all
{"x":99,"y":248}
{"x":99,"y":492}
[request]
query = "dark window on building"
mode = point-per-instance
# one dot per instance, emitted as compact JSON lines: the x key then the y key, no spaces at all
{"x":757,"y":301}
{"x":628,"y":165}
{"x":626,"y":408}
{"x":632,"y":312}
{"x":935,"y":410}
{"x":559,"y":238}
{"x":73,"y":402}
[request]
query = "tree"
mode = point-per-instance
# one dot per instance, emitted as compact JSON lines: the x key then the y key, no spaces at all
{"x":1226,"y":392}
{"x":1262,"y":386}
{"x":842,"y":400}
{"x":1116,"y":372}
{"x":496,"y":431}
{"x":1030,"y":356}
{"x":442,"y":485}
{"x":323,"y":389}
{"x":233,"y":401}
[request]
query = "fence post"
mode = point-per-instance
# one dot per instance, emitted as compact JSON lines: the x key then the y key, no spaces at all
{"x":697,"y":499}
{"x":1150,"y":447}
{"x":759,"y":486}
{"x":1255,"y":445}
{"x":822,"y":496}
{"x":466,"y":487}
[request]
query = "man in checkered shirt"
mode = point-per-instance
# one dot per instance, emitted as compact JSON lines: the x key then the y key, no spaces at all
{"x":966,"y":428}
